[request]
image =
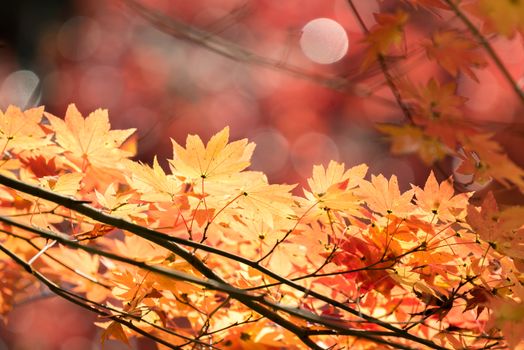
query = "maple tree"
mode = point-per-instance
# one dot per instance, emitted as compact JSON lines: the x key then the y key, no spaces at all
{"x":200,"y":252}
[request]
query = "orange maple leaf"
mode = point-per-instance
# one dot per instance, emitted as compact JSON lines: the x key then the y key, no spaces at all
{"x":384,"y":197}
{"x":455,"y":52}
{"x":438,"y":109}
{"x":385,"y":35}
{"x":502,"y":229}
{"x":484,"y":159}
{"x":439,"y":200}
{"x":112,"y":330}
{"x":406,"y":139}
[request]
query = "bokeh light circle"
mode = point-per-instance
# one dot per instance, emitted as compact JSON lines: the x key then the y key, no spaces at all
{"x":20,"y":88}
{"x":311,"y":149}
{"x":324,"y":41}
{"x":273,"y":151}
{"x":79,"y":38}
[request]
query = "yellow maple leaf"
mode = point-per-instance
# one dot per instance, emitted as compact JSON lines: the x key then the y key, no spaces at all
{"x":118,"y":204}
{"x":264,"y":200}
{"x":21,"y":130}
{"x":67,"y":184}
{"x":153,"y":183}
{"x":89,"y":141}
{"x":331,"y":187}
{"x":218,"y":160}
{"x":502,"y":16}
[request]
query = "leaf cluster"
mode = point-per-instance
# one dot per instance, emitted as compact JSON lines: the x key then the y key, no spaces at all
{"x":209,"y":254}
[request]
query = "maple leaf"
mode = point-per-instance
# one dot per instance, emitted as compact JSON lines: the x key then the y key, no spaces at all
{"x":218,"y":160}
{"x":40,"y":166}
{"x":331,"y":187}
{"x":82,"y":264}
{"x":508,"y":316}
{"x":502,"y":229}
{"x":118,"y":204}
{"x":138,"y":249}
{"x":153,"y":183}
{"x":406,"y":139}
{"x":383,"y":36}
{"x":502,"y":16}
{"x":112,"y":330}
{"x":21,"y":130}
{"x":66,"y":184}
{"x":439,"y":200}
{"x":203,"y":216}
{"x":257,"y":336}
{"x":484,"y":159}
{"x":264,"y":200}
{"x":437,"y":108}
{"x":454,"y":52}
{"x":384,"y":197}
{"x":90,"y":141}
{"x":480,"y":297}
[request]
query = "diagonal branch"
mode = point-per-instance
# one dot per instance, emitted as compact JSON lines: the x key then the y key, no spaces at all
{"x":250,"y":300}
{"x":213,"y":282}
{"x":487,"y":46}
{"x":228,"y":49}
{"x":385,"y":69}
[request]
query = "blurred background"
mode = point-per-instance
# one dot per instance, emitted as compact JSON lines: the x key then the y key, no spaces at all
{"x":170,"y":68}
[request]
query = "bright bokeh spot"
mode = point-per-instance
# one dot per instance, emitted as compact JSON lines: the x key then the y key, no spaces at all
{"x":324,"y":41}
{"x":20,"y":88}
{"x":520,"y":83}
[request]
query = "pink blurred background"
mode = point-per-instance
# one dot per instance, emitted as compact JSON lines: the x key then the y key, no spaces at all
{"x":103,"y":54}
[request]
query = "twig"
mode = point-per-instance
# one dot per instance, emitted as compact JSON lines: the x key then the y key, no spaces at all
{"x":238,"y":53}
{"x":385,"y":70}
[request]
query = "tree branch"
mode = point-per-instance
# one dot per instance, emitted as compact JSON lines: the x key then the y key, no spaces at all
{"x":214,"y":282}
{"x":487,"y":46}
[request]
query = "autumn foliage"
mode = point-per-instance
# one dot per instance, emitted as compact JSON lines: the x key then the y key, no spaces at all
{"x":199,"y":251}
{"x":212,"y":255}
